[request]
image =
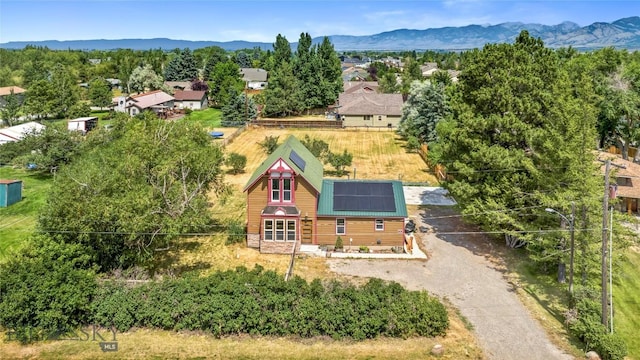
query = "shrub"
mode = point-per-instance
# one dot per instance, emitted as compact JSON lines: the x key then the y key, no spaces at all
{"x":269,"y":144}
{"x":46,"y":289}
{"x":413,"y":144}
{"x":187,"y":111}
{"x":364,"y":249}
{"x":235,"y":232}
{"x":237,"y":162}
{"x":588,"y":328}
{"x":339,"y":243}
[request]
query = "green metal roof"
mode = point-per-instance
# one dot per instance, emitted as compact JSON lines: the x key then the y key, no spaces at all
{"x":313,"y":169}
{"x":325,"y":203}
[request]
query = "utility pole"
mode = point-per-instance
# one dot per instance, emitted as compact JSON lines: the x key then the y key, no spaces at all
{"x":605,"y":208}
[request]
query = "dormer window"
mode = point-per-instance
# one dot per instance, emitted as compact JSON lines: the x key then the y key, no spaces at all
{"x":281,"y":187}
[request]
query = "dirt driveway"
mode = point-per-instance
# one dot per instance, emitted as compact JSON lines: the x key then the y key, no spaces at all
{"x":459,"y":269}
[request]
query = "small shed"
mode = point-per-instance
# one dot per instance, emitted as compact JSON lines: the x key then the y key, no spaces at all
{"x":10,"y":192}
{"x":84,"y":124}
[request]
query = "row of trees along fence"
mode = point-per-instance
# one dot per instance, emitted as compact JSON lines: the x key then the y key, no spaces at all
{"x":437,"y":169}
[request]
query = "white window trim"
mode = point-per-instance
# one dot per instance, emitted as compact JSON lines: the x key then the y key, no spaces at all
{"x":288,"y":231}
{"x":344,"y":226}
{"x":379,"y":222}
{"x":265,"y":230}
{"x":275,"y":191}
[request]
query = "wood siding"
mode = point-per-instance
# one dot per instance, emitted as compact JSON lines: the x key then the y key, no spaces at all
{"x":305,"y":197}
{"x":359,"y":121}
{"x":362,"y":231}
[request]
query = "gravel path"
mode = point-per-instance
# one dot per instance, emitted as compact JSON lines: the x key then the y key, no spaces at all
{"x":460,"y":270}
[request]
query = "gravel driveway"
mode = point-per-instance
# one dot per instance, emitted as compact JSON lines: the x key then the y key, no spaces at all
{"x":459,"y":269}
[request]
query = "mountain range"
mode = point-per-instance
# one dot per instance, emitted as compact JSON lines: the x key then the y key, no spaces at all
{"x":623,"y":33}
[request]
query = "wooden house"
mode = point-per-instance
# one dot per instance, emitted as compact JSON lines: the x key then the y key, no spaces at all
{"x":289,"y":203}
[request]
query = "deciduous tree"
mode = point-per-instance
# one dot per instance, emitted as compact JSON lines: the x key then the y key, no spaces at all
{"x":133,"y":192}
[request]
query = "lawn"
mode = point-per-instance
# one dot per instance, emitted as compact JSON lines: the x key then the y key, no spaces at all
{"x":18,"y":221}
{"x":626,"y":302}
{"x":209,"y":118}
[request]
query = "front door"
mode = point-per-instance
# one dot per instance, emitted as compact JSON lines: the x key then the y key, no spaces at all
{"x":307,"y":231}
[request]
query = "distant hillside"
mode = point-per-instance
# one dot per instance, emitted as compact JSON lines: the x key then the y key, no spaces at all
{"x":623,"y":33}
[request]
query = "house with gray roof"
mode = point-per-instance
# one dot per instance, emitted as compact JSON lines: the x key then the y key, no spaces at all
{"x":363,"y":109}
{"x":256,"y":79}
{"x":290,"y":204}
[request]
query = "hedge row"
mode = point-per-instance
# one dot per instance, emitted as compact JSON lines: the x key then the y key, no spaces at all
{"x":261,"y":302}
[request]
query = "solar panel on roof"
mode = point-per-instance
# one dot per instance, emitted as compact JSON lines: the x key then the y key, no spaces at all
{"x":297,"y":160}
{"x":363,"y":196}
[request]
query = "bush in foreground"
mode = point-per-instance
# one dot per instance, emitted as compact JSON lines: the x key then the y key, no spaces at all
{"x":262,"y":303}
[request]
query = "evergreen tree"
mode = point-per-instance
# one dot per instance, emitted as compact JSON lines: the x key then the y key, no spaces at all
{"x":216,"y":55}
{"x":182,"y":67}
{"x":519,"y":141}
{"x":330,"y":71}
{"x":307,"y":71}
{"x":243,"y":60}
{"x":282,"y":97}
{"x":239,"y":109}
{"x":281,"y":51}
{"x":426,"y":105}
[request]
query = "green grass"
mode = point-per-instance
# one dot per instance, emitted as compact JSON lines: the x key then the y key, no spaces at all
{"x":626,"y":303}
{"x":209,"y":118}
{"x":18,"y":221}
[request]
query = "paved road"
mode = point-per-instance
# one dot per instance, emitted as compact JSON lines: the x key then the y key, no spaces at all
{"x":460,"y":270}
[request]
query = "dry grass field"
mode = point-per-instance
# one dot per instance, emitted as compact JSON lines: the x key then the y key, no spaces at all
{"x":459,"y":343}
{"x":377,"y":154}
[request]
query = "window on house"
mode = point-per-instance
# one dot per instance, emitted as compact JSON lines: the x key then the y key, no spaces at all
{"x":275,"y":189}
{"x":279,"y":230}
{"x":286,"y":189}
{"x":379,"y":224}
{"x":340,"y":226}
{"x":291,"y":230}
{"x":268,"y":229}
{"x":367,"y":117}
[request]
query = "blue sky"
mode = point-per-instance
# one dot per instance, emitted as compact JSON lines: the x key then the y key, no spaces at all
{"x":261,"y":20}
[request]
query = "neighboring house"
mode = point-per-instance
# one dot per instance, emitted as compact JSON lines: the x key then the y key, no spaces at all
{"x":178,"y":85}
{"x":626,"y":177}
{"x":157,"y":101}
{"x":370,"y":109}
{"x":83,"y":124}
{"x":428,"y":69}
{"x":6,"y":91}
{"x":354,"y":74}
{"x":360,"y":87}
{"x":195,"y":100}
{"x":289,"y":204}
{"x":115,"y":84}
{"x":256,"y":79}
{"x":16,"y":133}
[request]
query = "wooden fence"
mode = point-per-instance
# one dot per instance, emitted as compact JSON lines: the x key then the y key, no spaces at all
{"x":327,"y":124}
{"x":437,"y":169}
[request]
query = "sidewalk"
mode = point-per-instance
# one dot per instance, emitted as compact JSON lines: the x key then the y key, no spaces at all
{"x":314,"y":250}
